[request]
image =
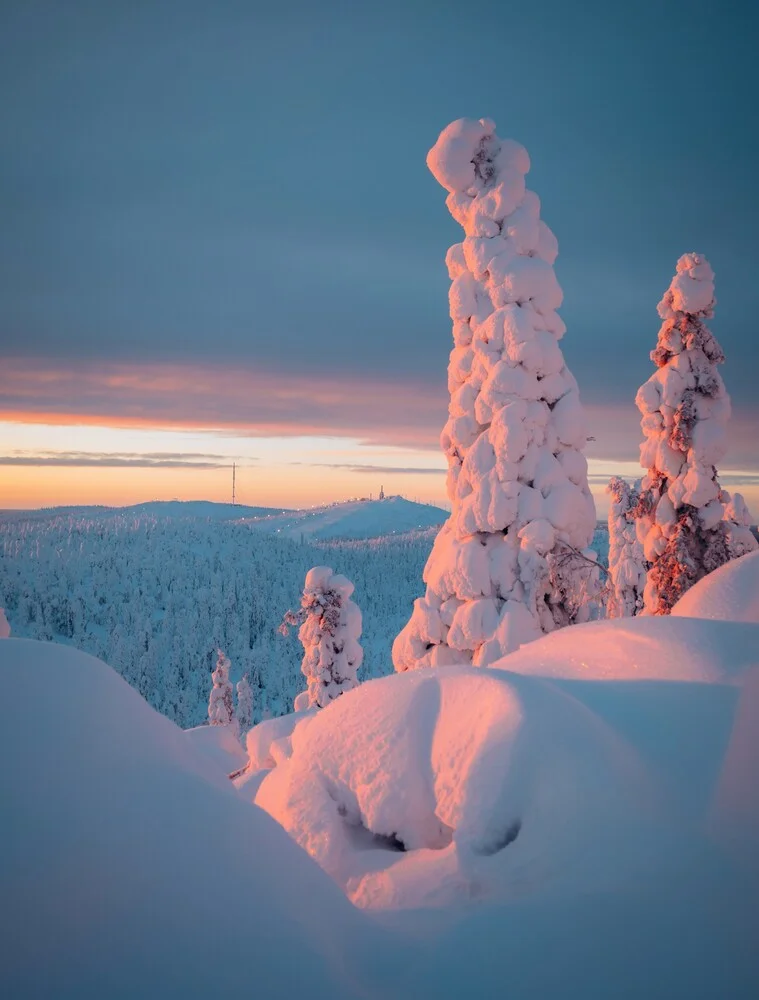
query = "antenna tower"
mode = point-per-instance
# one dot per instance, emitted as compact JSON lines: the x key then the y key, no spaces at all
{"x":234,"y":470}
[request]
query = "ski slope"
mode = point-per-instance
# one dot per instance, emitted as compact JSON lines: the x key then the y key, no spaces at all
{"x":357,"y":519}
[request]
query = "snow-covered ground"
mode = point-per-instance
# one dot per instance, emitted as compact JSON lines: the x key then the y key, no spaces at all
{"x":588,"y":758}
{"x":526,"y":831}
{"x":354,"y":519}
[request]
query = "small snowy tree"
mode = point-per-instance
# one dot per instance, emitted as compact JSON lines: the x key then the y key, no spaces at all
{"x":627,"y":565}
{"x":330,"y":627}
{"x":740,"y":538}
{"x":244,"y":704}
{"x":685,"y":408}
{"x":513,"y":560}
{"x":221,"y":710}
{"x":5,"y":629}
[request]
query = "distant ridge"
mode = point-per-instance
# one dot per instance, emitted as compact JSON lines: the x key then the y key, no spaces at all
{"x":348,"y":519}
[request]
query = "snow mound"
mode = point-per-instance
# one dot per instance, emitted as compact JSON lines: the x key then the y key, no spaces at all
{"x":641,"y":649}
{"x":129,"y":865}
{"x":432,"y":787}
{"x":269,"y":741}
{"x":730,"y":593}
{"x":356,"y":519}
{"x":219,"y":745}
{"x":735,"y":809}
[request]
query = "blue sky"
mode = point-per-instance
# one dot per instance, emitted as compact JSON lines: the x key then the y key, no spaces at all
{"x":243,"y":184}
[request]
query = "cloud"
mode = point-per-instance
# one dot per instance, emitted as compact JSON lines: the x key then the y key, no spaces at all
{"x":237,"y":400}
{"x":252,"y":401}
{"x":390,"y":470}
{"x":114,"y":460}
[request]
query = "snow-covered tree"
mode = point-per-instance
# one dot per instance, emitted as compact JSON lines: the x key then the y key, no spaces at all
{"x":244,"y":704}
{"x":627,"y":565}
{"x":740,"y":538}
{"x":512,"y":561}
{"x":685,"y":408}
{"x":221,"y":711}
{"x":330,"y":627}
{"x":5,"y":629}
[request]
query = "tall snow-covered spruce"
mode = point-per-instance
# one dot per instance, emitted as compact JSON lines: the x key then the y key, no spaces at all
{"x":330,"y":627}
{"x":512,"y":561}
{"x":627,"y":565}
{"x":221,"y":710}
{"x":685,"y":408}
{"x":244,"y":704}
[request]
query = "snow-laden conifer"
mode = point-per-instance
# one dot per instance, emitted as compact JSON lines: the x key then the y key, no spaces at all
{"x":221,"y":710}
{"x":330,"y":627}
{"x":244,"y":704}
{"x":685,"y":408}
{"x":627,"y":566}
{"x":740,"y":538}
{"x":512,"y":561}
{"x":5,"y":629}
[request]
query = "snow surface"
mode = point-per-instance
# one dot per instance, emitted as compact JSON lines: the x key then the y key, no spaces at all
{"x":220,"y":746}
{"x":495,"y":785}
{"x":730,"y":593}
{"x":131,"y":868}
{"x":642,"y":649}
{"x":353,"y":519}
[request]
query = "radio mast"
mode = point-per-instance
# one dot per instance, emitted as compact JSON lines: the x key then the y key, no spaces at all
{"x":234,"y":470}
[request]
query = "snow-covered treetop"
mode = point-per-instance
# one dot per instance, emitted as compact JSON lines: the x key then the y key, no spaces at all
{"x":321,"y":578}
{"x":691,"y":290}
{"x":468,"y":156}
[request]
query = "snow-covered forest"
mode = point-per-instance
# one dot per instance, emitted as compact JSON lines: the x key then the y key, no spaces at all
{"x":156,"y":597}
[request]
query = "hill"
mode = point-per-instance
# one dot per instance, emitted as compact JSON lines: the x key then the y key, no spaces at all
{"x":356,"y":519}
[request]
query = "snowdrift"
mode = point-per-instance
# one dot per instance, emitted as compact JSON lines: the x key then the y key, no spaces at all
{"x":641,"y":649}
{"x":444,"y":785}
{"x":730,"y":593}
{"x":219,"y":745}
{"x":131,"y":868}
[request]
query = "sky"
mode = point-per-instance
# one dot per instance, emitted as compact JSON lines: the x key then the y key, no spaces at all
{"x":220,"y":242}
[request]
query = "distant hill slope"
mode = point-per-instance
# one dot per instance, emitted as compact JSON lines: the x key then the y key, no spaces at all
{"x":353,"y":519}
{"x":155,"y":508}
{"x":357,"y":519}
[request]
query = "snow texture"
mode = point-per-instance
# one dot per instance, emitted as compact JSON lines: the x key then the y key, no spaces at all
{"x":431,"y":788}
{"x":219,"y":745}
{"x":730,"y":593}
{"x":330,"y":627}
{"x":627,"y":564}
{"x":221,"y":711}
{"x":508,"y":564}
{"x":684,"y":408}
{"x":128,"y":857}
{"x":642,"y":649}
{"x":130,"y":863}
